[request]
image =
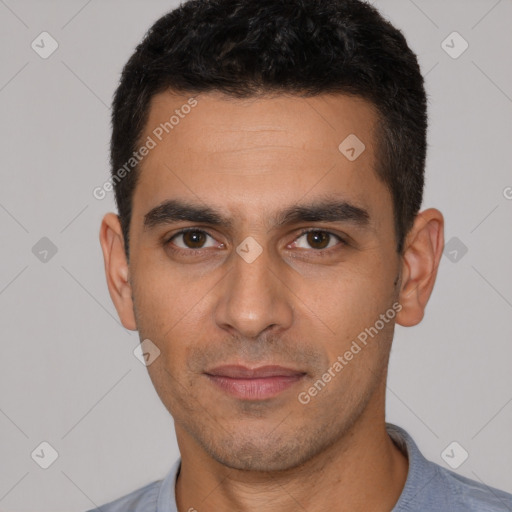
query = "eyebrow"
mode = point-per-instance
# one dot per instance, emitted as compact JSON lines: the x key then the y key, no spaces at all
{"x":320,"y":210}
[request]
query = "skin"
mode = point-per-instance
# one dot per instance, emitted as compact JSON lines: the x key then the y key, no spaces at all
{"x":290,"y":306}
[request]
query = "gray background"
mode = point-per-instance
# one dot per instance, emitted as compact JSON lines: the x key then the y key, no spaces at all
{"x":67,"y":372}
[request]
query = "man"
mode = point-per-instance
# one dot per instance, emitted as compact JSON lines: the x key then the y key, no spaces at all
{"x":268,"y":164}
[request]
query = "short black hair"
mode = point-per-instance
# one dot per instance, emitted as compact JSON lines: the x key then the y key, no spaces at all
{"x":250,"y":48}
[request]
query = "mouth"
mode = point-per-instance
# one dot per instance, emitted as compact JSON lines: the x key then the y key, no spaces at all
{"x":259,"y":383}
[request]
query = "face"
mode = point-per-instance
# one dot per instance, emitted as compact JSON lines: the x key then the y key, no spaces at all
{"x":246,"y":286}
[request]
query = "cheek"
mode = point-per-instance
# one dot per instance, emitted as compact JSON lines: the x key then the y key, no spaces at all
{"x":171,"y":311}
{"x":164,"y":297}
{"x":343,"y":312}
{"x":347,"y":299}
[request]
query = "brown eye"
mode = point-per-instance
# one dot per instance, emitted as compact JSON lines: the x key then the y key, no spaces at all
{"x":194,"y":239}
{"x":191,"y":239}
{"x":318,"y":240}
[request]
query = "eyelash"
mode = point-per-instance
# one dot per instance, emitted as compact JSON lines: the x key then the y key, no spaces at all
{"x":198,"y":252}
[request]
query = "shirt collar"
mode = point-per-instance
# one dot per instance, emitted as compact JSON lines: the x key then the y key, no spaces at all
{"x":421,"y":471}
{"x":167,"y":496}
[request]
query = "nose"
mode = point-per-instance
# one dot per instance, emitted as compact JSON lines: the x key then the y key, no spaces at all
{"x":253,"y":298}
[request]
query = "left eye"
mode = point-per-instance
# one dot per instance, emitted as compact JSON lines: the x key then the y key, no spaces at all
{"x":317,"y":239}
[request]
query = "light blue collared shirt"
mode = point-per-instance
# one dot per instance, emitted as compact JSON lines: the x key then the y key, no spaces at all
{"x":428,"y":488}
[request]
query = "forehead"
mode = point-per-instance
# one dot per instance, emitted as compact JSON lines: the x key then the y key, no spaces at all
{"x":219,"y":121}
{"x":247,"y":155}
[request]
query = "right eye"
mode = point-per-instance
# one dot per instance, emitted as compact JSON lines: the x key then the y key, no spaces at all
{"x":191,"y":240}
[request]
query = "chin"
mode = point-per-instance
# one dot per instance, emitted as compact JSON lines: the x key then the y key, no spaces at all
{"x":247,"y":455}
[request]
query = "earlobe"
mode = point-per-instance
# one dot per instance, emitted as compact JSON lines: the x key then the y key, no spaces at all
{"x":116,"y":269}
{"x":420,"y":261}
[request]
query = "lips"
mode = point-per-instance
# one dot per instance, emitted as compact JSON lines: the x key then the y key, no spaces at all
{"x":242,"y":372}
{"x":253,"y":383}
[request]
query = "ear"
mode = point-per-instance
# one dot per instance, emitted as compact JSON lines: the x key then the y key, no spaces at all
{"x":423,"y":250}
{"x":116,"y":269}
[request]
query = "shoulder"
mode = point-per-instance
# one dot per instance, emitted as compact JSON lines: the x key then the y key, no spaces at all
{"x":140,"y":500}
{"x":472,"y":495}
{"x":156,"y":496}
{"x":431,"y":487}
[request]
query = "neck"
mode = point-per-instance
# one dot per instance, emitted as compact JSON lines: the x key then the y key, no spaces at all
{"x":363,"y":470}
